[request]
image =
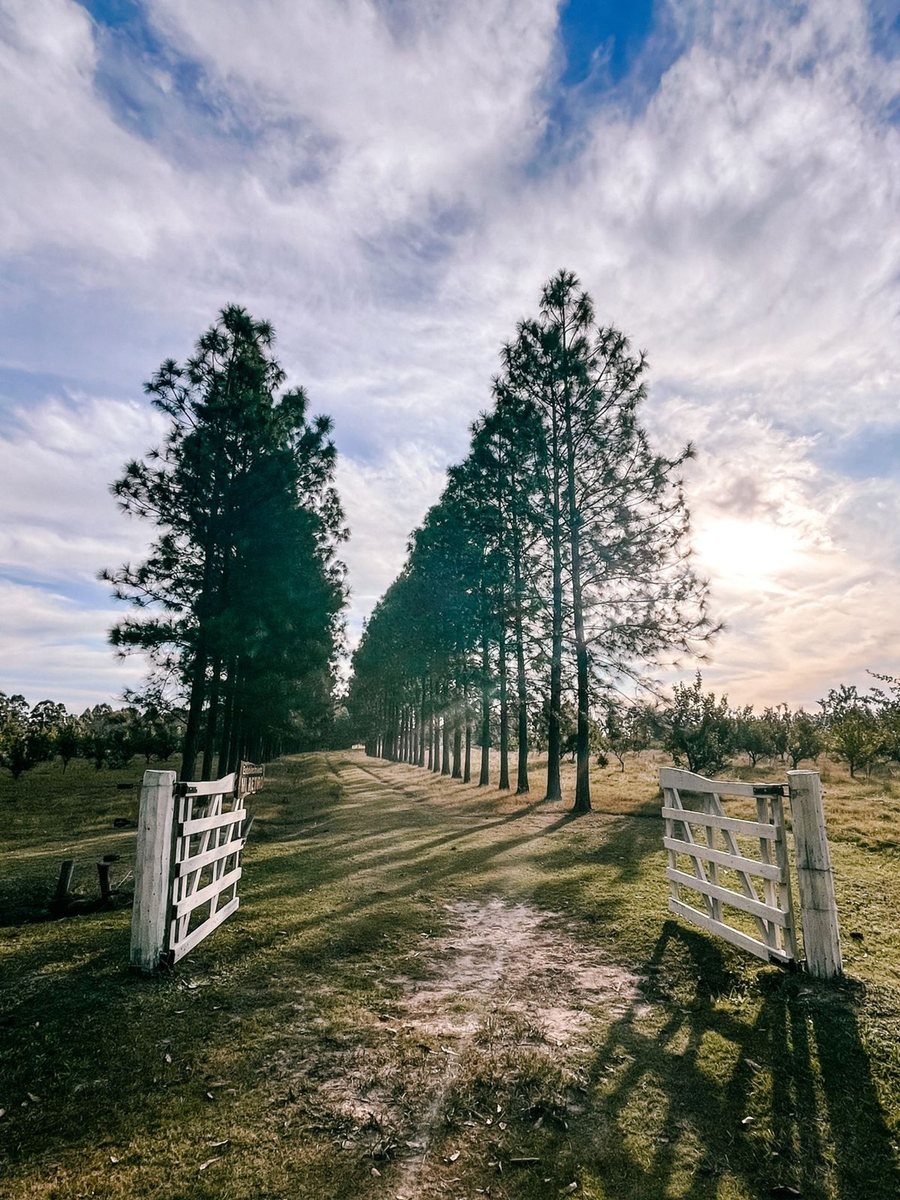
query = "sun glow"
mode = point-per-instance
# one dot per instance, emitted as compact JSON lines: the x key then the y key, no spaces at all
{"x":732,"y":548}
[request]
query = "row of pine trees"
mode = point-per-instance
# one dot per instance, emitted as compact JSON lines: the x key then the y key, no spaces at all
{"x":554,"y":569}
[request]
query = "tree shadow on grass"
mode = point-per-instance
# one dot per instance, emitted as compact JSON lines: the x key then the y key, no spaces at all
{"x":715,"y":1087}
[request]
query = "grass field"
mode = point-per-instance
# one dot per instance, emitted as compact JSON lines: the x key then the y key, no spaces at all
{"x":437,"y":990}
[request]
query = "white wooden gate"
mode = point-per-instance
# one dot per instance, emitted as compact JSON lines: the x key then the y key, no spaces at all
{"x":207,"y":862}
{"x":751,"y":854}
{"x":724,"y":859}
{"x":190,"y":838}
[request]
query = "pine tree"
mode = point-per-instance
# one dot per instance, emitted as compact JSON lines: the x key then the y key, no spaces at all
{"x":241,"y":492}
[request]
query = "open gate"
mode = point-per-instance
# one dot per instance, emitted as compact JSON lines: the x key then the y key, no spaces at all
{"x":190,"y":838}
{"x":731,"y":875}
{"x":729,"y":862}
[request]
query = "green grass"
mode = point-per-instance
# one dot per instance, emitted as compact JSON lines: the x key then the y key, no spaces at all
{"x":733,"y":1079}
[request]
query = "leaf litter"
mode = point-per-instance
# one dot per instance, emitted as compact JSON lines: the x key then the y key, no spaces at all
{"x":506,"y":980}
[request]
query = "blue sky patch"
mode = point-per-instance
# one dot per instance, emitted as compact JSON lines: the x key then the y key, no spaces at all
{"x":605,"y":34}
{"x":872,"y":452}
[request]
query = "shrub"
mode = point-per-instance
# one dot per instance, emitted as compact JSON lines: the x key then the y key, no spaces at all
{"x":700,"y":728}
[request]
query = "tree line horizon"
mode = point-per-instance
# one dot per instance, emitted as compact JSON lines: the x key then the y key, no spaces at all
{"x":553,"y":574}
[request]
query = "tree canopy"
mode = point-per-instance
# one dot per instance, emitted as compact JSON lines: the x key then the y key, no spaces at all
{"x":238,"y":601}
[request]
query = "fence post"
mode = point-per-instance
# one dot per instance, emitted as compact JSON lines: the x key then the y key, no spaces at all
{"x":152,"y":870}
{"x":818,"y":909}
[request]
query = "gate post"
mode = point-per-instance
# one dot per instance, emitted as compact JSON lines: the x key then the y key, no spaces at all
{"x":818,"y":909}
{"x":152,"y":869}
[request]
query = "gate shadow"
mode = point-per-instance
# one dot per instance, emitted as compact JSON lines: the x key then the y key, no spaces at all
{"x":782,"y":1100}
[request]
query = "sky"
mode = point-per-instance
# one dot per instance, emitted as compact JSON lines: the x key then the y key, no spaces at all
{"x":390,"y":182}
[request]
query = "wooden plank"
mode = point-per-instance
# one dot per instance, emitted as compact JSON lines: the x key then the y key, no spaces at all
{"x":818,"y":907}
{"x":152,"y":869}
{"x":728,"y":896}
{"x":785,"y":898}
{"x":737,"y":862}
{"x":196,"y":936}
{"x":713,"y":809}
{"x":734,"y":936}
{"x":670,"y":832}
{"x":201,"y":824}
{"x":63,"y":885}
{"x":735,"y":824}
{"x":212,"y":787}
{"x":199,"y":861}
{"x":205,"y":894}
{"x":765,"y":854}
{"x":186,"y":885}
{"x":687,"y":781}
{"x":697,"y":866}
{"x":746,"y":883}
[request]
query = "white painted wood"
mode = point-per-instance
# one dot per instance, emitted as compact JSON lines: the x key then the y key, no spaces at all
{"x":745,"y":882}
{"x":201,"y":824}
{"x":772,"y":911}
{"x":212,"y":787}
{"x":669,"y":811}
{"x":196,"y":936}
{"x":735,"y":936}
{"x":713,"y":868}
{"x":769,"y":885}
{"x":186,"y":885}
{"x":747,"y":866}
{"x":696,"y":864}
{"x":687,"y":781}
{"x":185,"y":906}
{"x":199,"y":861}
{"x":728,"y":896}
{"x":152,"y":871}
{"x":735,"y":824}
{"x":785,"y":897}
{"x":815,"y":879}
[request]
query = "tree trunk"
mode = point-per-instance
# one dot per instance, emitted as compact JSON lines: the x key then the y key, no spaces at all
{"x":484,"y":774}
{"x":582,"y":742}
{"x":457,"y":748}
{"x":427,"y":730}
{"x":195,"y":709}
{"x":445,"y":741}
{"x":503,"y":784}
{"x":467,"y":717}
{"x":554,"y":790}
{"x":212,"y":721}
{"x":421,"y":731}
{"x":521,"y":680}
{"x":228,"y":713}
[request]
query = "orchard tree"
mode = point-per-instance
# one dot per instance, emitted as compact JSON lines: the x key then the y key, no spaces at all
{"x":803,"y":738}
{"x":15,"y":751}
{"x":852,"y":729}
{"x":700,"y":728}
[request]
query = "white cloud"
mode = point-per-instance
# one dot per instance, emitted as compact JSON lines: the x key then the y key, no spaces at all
{"x":56,"y":464}
{"x":383,"y":503}
{"x":53,"y":648}
{"x":371,"y":178}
